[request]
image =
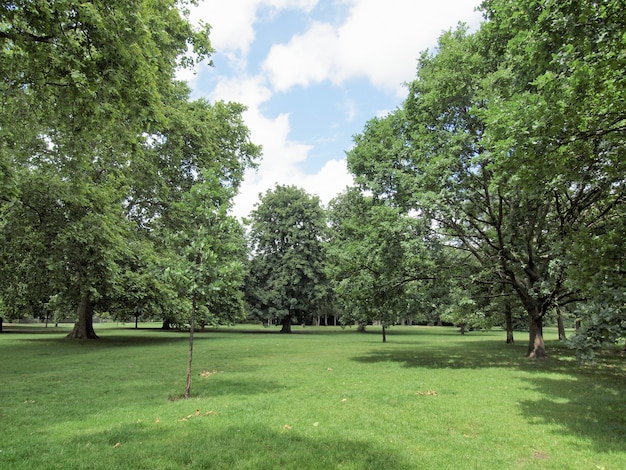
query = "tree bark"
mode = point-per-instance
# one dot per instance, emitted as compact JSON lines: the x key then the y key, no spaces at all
{"x":286,"y":324}
{"x":83,"y":328}
{"x":166,"y":324}
{"x":536,"y":346}
{"x":560,"y":325}
{"x":192,"y":325}
{"x":384,"y":334}
{"x":508,"y":316}
{"x":1,"y":324}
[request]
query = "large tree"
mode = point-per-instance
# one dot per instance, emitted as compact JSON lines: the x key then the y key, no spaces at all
{"x":287,"y":279}
{"x":560,"y":111}
{"x":489,"y":148}
{"x":97,"y":141}
{"x":81,"y":83}
{"x":377,"y":254}
{"x":202,"y":144}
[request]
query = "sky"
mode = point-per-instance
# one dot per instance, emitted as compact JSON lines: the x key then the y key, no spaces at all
{"x":312,"y":73}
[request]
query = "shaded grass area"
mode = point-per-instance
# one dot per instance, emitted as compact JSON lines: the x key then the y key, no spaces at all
{"x":320,"y":398}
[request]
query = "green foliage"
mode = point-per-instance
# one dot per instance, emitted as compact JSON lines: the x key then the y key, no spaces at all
{"x":287,"y":279}
{"x":102,"y":155}
{"x":210,"y":249}
{"x":376,"y":253}
{"x":511,"y":142}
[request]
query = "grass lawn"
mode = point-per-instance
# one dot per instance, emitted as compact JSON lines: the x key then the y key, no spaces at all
{"x":320,"y":398}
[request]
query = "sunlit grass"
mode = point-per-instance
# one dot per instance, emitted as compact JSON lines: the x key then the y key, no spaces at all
{"x":320,"y":398}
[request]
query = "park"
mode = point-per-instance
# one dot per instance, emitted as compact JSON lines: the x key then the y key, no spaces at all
{"x":320,"y":398}
{"x":462,"y":304}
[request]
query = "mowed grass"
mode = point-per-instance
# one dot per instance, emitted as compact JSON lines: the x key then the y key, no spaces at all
{"x":321,"y":398}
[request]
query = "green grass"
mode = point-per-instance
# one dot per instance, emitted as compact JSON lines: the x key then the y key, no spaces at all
{"x":320,"y":398}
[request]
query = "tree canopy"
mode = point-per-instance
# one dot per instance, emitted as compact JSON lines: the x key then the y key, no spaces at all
{"x":511,"y":141}
{"x":287,"y":280}
{"x":376,"y":253}
{"x":99,"y":148}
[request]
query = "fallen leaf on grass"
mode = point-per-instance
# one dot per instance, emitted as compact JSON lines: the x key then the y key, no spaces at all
{"x":286,"y":426}
{"x":330,"y":369}
{"x":30,"y":402}
{"x":430,"y":393}
{"x":206,"y":373}
{"x":117,"y":445}
{"x":157,"y":420}
{"x":343,"y":400}
{"x":197,"y":413}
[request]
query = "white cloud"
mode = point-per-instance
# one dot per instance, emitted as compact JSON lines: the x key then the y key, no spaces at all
{"x":329,"y":181}
{"x":379,"y":40}
{"x":281,"y":155}
{"x":232,"y":22}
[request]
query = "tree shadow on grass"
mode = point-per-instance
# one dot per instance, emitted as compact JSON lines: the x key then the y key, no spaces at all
{"x":198,"y":443}
{"x":29,"y":329}
{"x":470,"y":354}
{"x":107,"y":341}
{"x":584,"y":401}
{"x":594,"y":411}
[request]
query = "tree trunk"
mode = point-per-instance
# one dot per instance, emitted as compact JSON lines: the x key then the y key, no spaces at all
{"x":384,"y":334}
{"x":536,"y":346}
{"x":166,"y":324}
{"x":136,"y":321}
{"x":192,"y":325}
{"x":83,"y":329}
{"x":560,"y":325}
{"x":286,"y":325}
{"x":508,"y":316}
{"x":1,"y":324}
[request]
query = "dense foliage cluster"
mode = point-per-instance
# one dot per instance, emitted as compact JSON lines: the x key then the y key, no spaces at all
{"x":511,"y":142}
{"x":115,"y":186}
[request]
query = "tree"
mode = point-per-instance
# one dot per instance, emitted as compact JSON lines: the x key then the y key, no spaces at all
{"x":209,"y":245}
{"x":563,"y":104}
{"x":81,"y":84}
{"x":202,"y":143}
{"x":377,"y":252}
{"x":483,"y":155}
{"x":287,"y":279}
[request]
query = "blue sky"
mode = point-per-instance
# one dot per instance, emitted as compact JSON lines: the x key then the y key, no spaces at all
{"x":312,"y":73}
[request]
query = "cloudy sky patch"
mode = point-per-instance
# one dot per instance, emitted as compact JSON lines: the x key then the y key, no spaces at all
{"x":312,"y":73}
